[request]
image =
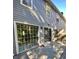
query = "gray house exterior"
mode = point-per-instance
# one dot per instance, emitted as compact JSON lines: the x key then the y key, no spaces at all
{"x":40,"y":13}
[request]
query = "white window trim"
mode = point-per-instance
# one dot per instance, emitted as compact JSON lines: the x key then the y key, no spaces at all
{"x":16,"y":40}
{"x":25,"y":23}
{"x":16,"y":37}
{"x":48,"y":8}
{"x":47,"y":27}
{"x":30,"y":7}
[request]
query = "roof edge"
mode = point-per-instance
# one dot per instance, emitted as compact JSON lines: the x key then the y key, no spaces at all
{"x":55,"y":8}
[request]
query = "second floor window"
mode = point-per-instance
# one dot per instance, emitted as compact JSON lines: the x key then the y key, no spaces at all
{"x":57,"y":20}
{"x":26,"y":2}
{"x":48,"y":10}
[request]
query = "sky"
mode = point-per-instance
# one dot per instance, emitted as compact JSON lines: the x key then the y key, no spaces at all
{"x":61,"y":5}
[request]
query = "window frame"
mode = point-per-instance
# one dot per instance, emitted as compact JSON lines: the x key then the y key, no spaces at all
{"x":57,"y":20}
{"x":51,"y":32}
{"x":30,"y":7}
{"x":16,"y":35}
{"x":47,"y":10}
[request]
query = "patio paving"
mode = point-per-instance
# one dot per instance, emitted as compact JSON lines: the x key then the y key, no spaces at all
{"x":48,"y":52}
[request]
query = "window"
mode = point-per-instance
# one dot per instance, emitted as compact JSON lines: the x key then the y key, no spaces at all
{"x":27,"y":36}
{"x":47,"y":34}
{"x":57,"y":17}
{"x":57,"y":20}
{"x":48,"y":10}
{"x":26,"y":2}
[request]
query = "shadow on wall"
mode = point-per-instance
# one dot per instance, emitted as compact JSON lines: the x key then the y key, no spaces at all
{"x":21,"y":56}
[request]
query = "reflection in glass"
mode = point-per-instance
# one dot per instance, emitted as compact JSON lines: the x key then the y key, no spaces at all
{"x":27,"y":36}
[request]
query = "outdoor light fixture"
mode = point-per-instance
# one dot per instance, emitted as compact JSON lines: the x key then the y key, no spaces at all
{"x":41,"y":29}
